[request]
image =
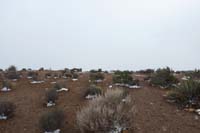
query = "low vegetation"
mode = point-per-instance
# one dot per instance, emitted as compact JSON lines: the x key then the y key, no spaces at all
{"x":6,"y":109}
{"x":164,"y":78}
{"x":93,"y":91}
{"x":52,"y":121}
{"x":112,"y":112}
{"x":95,"y":77}
{"x":51,"y":96}
{"x":11,"y":73}
{"x":187,"y":94}
{"x":124,"y":77}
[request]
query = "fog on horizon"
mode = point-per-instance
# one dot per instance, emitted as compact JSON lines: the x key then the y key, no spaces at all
{"x":107,"y":34}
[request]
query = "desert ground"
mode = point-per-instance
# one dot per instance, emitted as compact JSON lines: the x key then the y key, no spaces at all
{"x":153,"y":113}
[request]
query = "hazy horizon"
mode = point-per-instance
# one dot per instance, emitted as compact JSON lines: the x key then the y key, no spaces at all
{"x":107,"y":34}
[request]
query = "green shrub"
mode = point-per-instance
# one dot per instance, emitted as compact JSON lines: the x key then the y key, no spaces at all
{"x":163,"y":77}
{"x":187,"y":93}
{"x":124,"y":77}
{"x":75,"y":76}
{"x":93,"y":90}
{"x":59,"y":85}
{"x":52,"y":120}
{"x":6,"y":109}
{"x":113,"y":112}
{"x":96,"y":76}
{"x":7,"y":84}
{"x":11,"y":73}
{"x":51,"y":95}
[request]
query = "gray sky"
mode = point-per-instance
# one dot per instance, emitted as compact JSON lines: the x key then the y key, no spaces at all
{"x":108,"y":34}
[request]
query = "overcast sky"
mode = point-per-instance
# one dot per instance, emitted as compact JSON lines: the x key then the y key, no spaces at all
{"x":108,"y":34}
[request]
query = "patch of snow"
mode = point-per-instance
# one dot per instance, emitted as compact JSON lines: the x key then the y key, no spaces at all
{"x":63,"y":89}
{"x":117,"y":129}
{"x":91,"y":96}
{"x":53,"y":82}
{"x":14,"y":80}
{"x":37,"y":82}
{"x":197,"y":111}
{"x":29,"y":77}
{"x":3,"y":117}
{"x":56,"y":131}
{"x":185,"y":78}
{"x":134,"y":87}
{"x":74,"y":79}
{"x":124,"y":100}
{"x":110,"y":86}
{"x":99,"y":81}
{"x":64,"y":77}
{"x":5,"y":89}
{"x":50,"y":104}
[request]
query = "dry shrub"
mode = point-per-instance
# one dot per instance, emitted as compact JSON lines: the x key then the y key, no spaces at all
{"x":7,"y":108}
{"x":112,"y":112}
{"x":51,"y":95}
{"x":52,"y":120}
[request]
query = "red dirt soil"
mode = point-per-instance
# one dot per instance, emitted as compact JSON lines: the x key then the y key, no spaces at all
{"x":154,"y":114}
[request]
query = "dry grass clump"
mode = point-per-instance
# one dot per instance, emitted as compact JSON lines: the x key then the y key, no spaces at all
{"x":113,"y":112}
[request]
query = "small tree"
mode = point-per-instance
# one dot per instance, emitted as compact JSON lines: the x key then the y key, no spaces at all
{"x":52,"y":120}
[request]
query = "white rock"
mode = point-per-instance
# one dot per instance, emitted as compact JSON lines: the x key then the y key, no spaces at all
{"x":50,"y":104}
{"x":63,"y":89}
{"x":56,"y":131}
{"x":5,"y":89}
